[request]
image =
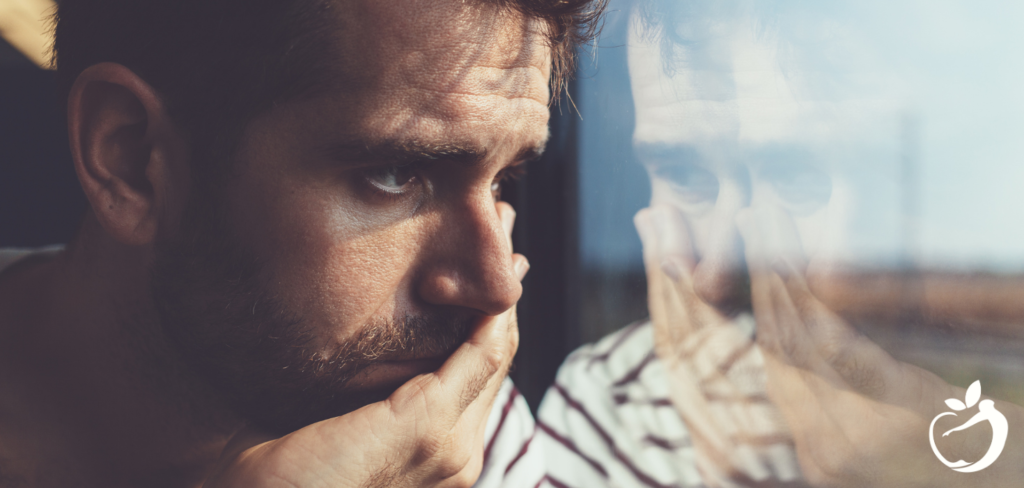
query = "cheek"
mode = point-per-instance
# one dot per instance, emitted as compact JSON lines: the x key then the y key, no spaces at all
{"x":329,"y":261}
{"x":352,"y":281}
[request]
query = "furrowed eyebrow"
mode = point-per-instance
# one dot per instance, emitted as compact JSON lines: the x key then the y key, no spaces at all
{"x":529,"y":153}
{"x":410,"y":151}
{"x":404,"y":151}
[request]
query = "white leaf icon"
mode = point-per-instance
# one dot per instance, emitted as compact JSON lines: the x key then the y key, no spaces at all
{"x":973,"y":393}
{"x":955,"y":404}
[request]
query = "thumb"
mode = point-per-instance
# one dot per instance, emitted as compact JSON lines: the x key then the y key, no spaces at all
{"x":244,"y":440}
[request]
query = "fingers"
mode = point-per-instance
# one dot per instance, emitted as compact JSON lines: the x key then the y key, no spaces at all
{"x":461,"y":379}
{"x":666,"y":240}
{"x":768,"y":332}
{"x":859,"y":362}
{"x":782,"y":330}
{"x":473,"y":373}
{"x":798,"y":327}
{"x":669,"y":261}
{"x":244,"y":440}
{"x":520,"y":265}
{"x":508,"y":218}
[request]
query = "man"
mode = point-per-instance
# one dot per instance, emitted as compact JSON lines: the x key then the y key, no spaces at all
{"x":296,"y":269}
{"x":750,"y":117}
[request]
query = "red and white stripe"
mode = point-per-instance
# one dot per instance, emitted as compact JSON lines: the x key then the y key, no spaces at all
{"x":608,"y":420}
{"x":511,"y":458}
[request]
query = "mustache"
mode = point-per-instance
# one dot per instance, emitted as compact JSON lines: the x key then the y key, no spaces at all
{"x":410,"y":337}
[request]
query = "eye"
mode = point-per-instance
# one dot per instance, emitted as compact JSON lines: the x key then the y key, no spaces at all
{"x":690,"y":182}
{"x":393,"y":179}
{"x":506,"y":175}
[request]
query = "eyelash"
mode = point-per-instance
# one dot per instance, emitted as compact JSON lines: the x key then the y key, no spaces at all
{"x":379,"y":190}
{"x":510,"y":173}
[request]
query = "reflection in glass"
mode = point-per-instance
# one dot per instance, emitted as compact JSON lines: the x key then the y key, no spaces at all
{"x":831,"y":245}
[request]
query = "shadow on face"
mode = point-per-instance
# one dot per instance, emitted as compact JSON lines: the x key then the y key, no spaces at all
{"x":359,"y":239}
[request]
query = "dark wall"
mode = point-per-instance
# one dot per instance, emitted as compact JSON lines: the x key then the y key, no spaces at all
{"x":40,"y":199}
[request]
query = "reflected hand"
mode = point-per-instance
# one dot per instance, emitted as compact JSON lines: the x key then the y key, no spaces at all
{"x":429,"y":432}
{"x":858,"y":416}
{"x":716,"y":369}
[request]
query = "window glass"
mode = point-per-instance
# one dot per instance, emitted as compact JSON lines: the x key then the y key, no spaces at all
{"x":836,"y":185}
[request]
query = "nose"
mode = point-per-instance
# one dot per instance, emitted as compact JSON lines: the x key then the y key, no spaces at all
{"x":469,"y":260}
{"x":720,"y":278}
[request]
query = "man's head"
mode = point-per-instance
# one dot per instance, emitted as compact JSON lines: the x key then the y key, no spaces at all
{"x":314,"y":184}
{"x":744,"y":103}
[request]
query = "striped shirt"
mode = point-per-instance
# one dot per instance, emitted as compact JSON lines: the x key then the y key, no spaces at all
{"x":511,"y":458}
{"x":609,"y":421}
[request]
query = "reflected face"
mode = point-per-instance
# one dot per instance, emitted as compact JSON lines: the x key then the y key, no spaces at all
{"x":734,"y":118}
{"x":358,"y":240}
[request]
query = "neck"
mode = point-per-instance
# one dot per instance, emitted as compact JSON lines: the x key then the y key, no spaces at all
{"x":116,"y":398}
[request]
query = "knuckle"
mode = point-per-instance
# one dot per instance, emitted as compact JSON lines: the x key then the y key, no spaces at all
{"x":453,"y":469}
{"x":493,"y":360}
{"x":834,"y":353}
{"x":465,"y":478}
{"x":429,"y":449}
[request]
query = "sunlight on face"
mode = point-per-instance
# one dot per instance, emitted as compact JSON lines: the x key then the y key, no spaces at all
{"x":365,"y":236}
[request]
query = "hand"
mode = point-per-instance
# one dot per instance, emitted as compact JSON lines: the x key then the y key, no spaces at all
{"x":858,"y":416}
{"x":429,"y":432}
{"x":716,"y":370}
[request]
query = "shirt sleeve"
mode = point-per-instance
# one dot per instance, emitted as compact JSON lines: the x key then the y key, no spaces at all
{"x":511,"y":458}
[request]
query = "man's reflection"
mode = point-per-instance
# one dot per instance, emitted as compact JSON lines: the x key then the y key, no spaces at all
{"x":750,"y":128}
{"x":719,"y":128}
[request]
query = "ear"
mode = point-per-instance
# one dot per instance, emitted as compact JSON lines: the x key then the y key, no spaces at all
{"x":131,"y":159}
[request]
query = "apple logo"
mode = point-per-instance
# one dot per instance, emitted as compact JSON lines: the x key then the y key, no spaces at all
{"x":986,"y":412}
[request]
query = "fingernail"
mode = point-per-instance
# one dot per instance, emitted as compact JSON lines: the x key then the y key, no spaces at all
{"x":781,"y":267}
{"x":642,"y":221}
{"x":672,"y":269}
{"x":521,"y":268}
{"x":509,"y":221}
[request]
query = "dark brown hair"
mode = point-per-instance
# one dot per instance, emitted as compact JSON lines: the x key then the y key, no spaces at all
{"x":218,"y":63}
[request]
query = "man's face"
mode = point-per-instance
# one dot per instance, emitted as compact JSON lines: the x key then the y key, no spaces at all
{"x":358,"y":239}
{"x":745,"y":117}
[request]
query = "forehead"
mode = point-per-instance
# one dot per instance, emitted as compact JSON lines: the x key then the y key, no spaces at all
{"x":443,"y":69}
{"x":743,"y":82}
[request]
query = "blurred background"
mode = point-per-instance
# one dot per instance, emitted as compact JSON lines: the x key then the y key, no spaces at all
{"x":934,"y":252}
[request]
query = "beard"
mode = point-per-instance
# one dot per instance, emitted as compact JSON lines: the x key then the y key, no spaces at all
{"x":234,"y":332}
